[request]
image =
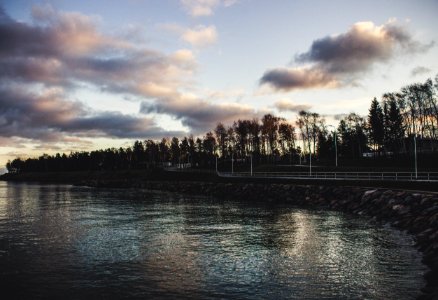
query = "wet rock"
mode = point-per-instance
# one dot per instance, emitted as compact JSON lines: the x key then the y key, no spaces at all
{"x":401,"y":209}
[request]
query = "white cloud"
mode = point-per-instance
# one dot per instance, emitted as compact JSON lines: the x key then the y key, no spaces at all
{"x":200,"y":36}
{"x":202,"y":8}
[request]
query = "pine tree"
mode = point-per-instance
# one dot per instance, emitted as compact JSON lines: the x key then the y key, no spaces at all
{"x":375,"y":124}
{"x":396,"y":128}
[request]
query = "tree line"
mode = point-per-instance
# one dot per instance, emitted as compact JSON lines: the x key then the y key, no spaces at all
{"x":399,"y":124}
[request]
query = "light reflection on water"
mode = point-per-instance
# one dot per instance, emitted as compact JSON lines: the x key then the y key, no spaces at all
{"x":76,"y":242}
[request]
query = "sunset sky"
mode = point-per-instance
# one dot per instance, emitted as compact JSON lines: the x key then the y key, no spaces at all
{"x":83,"y":75}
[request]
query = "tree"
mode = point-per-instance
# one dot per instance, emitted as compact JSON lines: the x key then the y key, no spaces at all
{"x":175,"y":150}
{"x":221,"y":137}
{"x":231,"y":140}
{"x":241,"y":130}
{"x":254,"y":136}
{"x":353,"y":140}
{"x":16,"y":166}
{"x":316,"y":123}
{"x":325,"y":147}
{"x":286,"y":133}
{"x":138,"y":154}
{"x":394,"y":127}
{"x":151,"y":152}
{"x":375,"y":125}
{"x":304,"y":124}
{"x":209,"y":144}
{"x":164,"y":150}
{"x":270,"y":125}
{"x":185,"y":147}
{"x":192,"y":148}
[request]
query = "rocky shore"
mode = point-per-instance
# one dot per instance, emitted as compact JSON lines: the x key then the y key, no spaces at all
{"x":414,"y":212}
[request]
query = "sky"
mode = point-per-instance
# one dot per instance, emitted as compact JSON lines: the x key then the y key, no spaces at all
{"x":83,"y":75}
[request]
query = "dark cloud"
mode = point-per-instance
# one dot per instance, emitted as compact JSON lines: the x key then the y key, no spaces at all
{"x":13,"y":35}
{"x":359,"y":48}
{"x":297,"y":78}
{"x":339,"y":117}
{"x":420,"y":70}
{"x":197,"y":114}
{"x":286,"y":105}
{"x":341,"y":58}
{"x":49,"y":117}
{"x":115,"y":124}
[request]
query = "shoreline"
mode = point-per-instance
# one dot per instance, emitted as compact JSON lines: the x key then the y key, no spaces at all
{"x":134,"y":177}
{"x":413,"y":211}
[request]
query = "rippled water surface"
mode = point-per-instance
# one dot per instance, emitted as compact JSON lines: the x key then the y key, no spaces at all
{"x":59,"y":241}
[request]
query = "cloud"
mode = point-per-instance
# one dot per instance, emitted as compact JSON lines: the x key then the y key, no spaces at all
{"x":338,"y":117}
{"x":201,"y":36}
{"x":63,"y":49}
{"x":43,"y":62}
{"x":234,"y":93}
{"x":53,"y":34}
{"x":202,"y":8}
{"x":297,"y":78}
{"x":339,"y":59}
{"x":198,"y":114}
{"x":287,"y":105}
{"x":49,"y":117}
{"x":420,"y":70}
{"x":360,"y":47}
{"x":8,"y":142}
{"x":198,"y":36}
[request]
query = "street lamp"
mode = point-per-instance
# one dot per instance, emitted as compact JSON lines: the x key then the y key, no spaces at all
{"x":415,"y":155}
{"x":232,"y":163}
{"x":251,"y":164}
{"x":336,"y":144}
{"x":310,"y":159}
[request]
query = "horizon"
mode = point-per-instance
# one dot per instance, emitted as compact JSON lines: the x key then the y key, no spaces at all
{"x":80,"y":76}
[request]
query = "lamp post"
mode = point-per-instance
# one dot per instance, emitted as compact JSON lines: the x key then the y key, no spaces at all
{"x":232,"y":163}
{"x":310,"y":159}
{"x":336,"y":144}
{"x":415,"y":155}
{"x":251,"y":164}
{"x":415,"y":151}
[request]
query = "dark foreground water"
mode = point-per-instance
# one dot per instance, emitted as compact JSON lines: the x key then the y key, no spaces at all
{"x":63,"y":242}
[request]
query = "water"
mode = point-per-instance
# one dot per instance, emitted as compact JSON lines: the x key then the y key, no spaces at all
{"x":61,"y":241}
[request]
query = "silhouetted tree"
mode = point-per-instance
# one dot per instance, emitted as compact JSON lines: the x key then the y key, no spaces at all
{"x":175,"y":150}
{"x":221,"y":137}
{"x":269,"y":129}
{"x":375,"y":125}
